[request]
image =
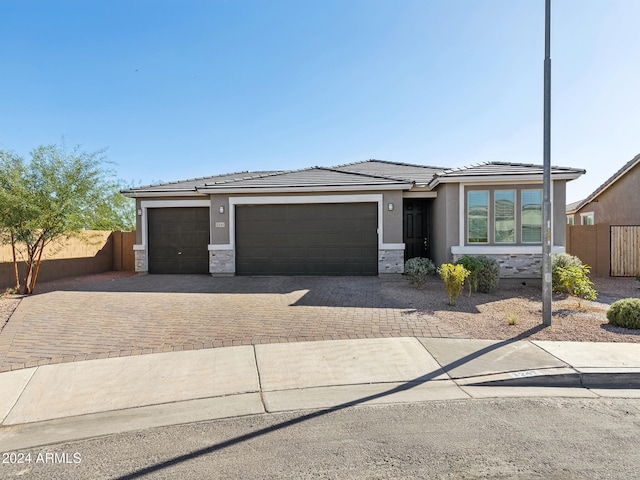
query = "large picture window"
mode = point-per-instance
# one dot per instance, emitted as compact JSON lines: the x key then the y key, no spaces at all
{"x":504,"y":208}
{"x":478,"y":217}
{"x":531,"y":216}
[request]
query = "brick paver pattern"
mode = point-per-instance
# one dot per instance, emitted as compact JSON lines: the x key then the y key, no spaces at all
{"x":165,"y":313}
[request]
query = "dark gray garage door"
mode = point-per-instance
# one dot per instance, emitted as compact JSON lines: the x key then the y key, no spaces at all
{"x":310,"y":239}
{"x":178,"y":239}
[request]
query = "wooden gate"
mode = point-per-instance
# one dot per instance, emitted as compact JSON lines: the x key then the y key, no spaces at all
{"x":625,"y":250}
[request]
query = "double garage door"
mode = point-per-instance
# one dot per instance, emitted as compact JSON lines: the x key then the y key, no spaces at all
{"x":309,"y":239}
{"x":298,"y":239}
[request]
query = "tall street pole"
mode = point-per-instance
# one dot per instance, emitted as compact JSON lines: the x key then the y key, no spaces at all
{"x":546,"y":177}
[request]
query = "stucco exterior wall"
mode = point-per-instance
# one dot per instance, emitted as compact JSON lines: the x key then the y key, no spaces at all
{"x":392,"y":220}
{"x":444,"y":223}
{"x":219,"y":221}
{"x":558,"y":206}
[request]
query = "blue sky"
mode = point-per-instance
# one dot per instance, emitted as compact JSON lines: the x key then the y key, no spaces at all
{"x":183,"y":89}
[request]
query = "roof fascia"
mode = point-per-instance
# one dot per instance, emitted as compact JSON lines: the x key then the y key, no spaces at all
{"x":161,"y":193}
{"x":497,"y":179}
{"x":302,"y":189}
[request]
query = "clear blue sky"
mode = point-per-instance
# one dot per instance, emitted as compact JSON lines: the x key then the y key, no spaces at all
{"x":182,"y":89}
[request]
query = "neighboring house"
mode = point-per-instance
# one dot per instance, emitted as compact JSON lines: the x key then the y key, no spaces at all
{"x":610,"y":241}
{"x":615,"y":202}
{"x":363,"y":218}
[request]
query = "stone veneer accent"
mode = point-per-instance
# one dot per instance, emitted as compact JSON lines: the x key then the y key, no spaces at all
{"x":390,"y":261}
{"x":516,"y":266}
{"x":140,"y":260}
{"x":222,"y":261}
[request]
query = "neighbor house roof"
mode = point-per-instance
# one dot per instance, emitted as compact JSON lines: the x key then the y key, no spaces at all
{"x":366,"y":175}
{"x":574,"y":207}
{"x":571,"y":207}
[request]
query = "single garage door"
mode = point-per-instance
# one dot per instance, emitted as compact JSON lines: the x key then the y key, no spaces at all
{"x":178,"y":239}
{"x":309,"y":239}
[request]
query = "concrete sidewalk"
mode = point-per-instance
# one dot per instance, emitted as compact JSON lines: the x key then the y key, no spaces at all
{"x":70,"y":401}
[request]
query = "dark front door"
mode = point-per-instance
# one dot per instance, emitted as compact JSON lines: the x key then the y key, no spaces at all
{"x":307,"y":239}
{"x":178,"y":239}
{"x":416,"y":228}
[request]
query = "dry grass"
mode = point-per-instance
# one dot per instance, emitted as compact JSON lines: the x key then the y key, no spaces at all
{"x":515,"y":311}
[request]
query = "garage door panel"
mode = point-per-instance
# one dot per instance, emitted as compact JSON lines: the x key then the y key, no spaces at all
{"x":178,"y":239}
{"x":310,"y":239}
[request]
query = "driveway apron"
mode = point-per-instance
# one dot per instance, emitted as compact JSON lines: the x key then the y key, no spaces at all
{"x":163,"y":313}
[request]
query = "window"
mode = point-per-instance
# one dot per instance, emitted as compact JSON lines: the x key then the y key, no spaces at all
{"x":587,"y":218}
{"x":478,"y":217}
{"x":569,"y":219}
{"x":504,"y":207}
{"x":531,"y":216}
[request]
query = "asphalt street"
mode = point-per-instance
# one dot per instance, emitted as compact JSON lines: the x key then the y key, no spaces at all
{"x":551,"y":438}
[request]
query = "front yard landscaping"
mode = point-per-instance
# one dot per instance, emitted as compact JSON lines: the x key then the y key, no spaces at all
{"x":514,"y":310}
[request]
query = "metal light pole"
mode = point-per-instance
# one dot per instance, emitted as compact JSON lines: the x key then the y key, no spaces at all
{"x":546,"y":177}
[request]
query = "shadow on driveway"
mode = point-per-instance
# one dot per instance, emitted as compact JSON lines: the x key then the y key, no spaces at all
{"x":356,"y":292}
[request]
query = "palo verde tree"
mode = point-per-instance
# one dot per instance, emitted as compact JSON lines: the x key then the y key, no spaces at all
{"x":55,"y":195}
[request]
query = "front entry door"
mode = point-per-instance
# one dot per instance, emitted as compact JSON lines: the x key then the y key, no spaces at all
{"x":416,"y":228}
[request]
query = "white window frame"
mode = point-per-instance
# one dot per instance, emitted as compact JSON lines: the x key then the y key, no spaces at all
{"x":515,"y":216}
{"x":584,"y":216}
{"x":522,"y":241}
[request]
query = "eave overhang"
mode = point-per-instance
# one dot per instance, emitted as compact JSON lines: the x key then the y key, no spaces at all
{"x":496,"y":179}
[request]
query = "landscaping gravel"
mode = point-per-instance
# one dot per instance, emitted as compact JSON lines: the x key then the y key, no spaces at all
{"x":488,"y":316}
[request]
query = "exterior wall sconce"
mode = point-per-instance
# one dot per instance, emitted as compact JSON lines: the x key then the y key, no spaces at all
{"x":139,"y":212}
{"x":221,"y":209}
{"x":390,"y":206}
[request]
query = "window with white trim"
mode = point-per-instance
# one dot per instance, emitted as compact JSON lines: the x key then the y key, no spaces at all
{"x":504,"y":216}
{"x":587,"y":218}
{"x":531,"y":216}
{"x":478,"y":217}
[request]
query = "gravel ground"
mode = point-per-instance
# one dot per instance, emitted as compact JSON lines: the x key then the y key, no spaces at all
{"x":482,"y":316}
{"x":487,"y":316}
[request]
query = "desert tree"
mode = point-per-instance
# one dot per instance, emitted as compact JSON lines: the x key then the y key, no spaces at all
{"x":56,"y":194}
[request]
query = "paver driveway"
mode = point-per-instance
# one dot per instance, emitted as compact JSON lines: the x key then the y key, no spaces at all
{"x":162,"y":313}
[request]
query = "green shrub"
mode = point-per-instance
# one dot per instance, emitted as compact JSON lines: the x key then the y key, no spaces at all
{"x":418,"y":269}
{"x":575,"y":281}
{"x":488,"y":275}
{"x":638,"y":278}
{"x":473,"y":265}
{"x":561,"y":260}
{"x":453,"y":277}
{"x":625,"y":313}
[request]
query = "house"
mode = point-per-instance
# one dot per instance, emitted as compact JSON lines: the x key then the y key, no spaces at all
{"x":615,"y":202}
{"x":363,"y":218}
{"x":604,"y":228}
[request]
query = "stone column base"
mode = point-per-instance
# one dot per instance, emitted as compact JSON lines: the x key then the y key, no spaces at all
{"x":390,"y":261}
{"x":222,"y":262}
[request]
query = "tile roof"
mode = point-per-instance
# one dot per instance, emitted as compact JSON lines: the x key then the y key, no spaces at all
{"x":571,"y":207}
{"x":501,"y":169}
{"x":504,"y":168}
{"x":193,"y":183}
{"x":369,"y":173}
{"x":610,"y":181}
{"x":420,"y":174}
{"x":308,"y":177}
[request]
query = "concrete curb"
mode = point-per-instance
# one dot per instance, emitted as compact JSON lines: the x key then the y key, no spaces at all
{"x":66,"y":402}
